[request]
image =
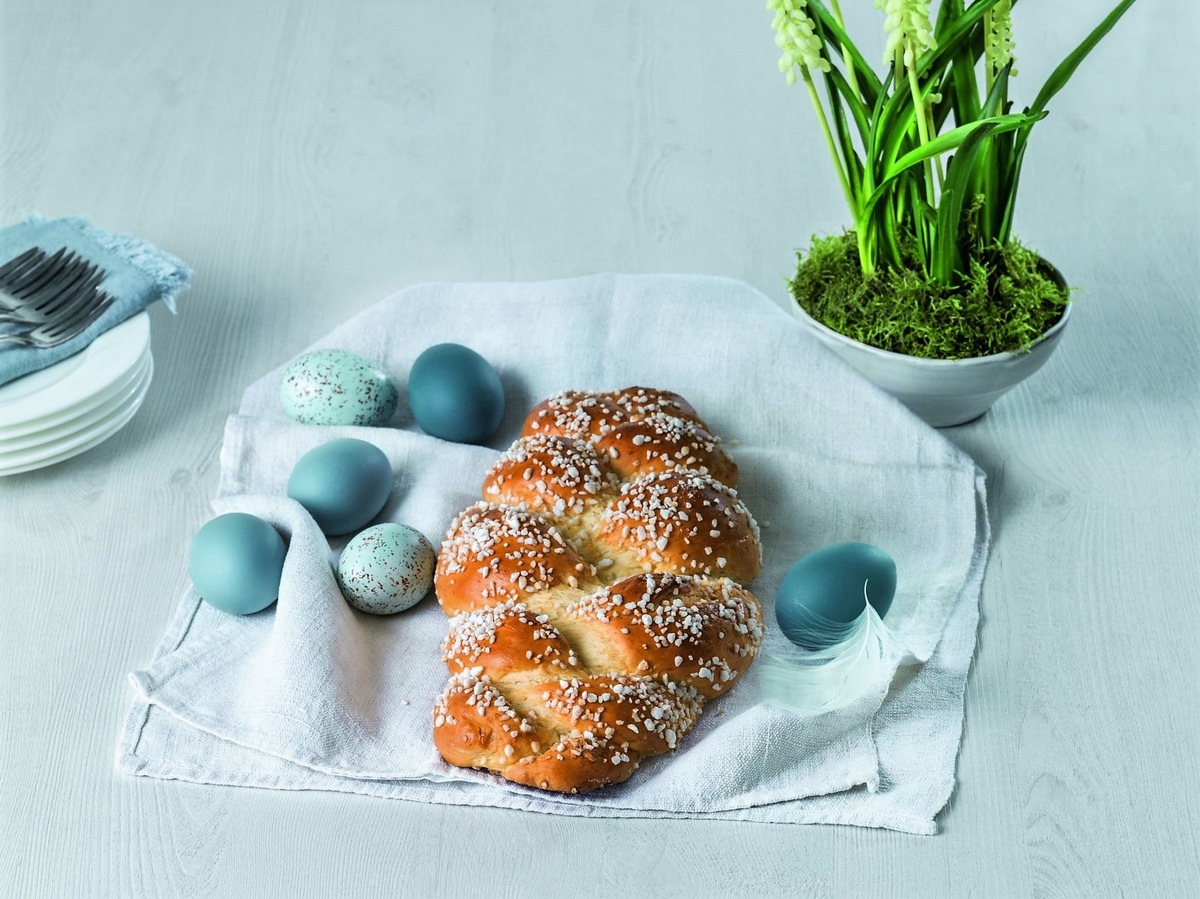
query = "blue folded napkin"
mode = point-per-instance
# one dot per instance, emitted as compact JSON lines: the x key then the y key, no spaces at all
{"x":138,"y":274}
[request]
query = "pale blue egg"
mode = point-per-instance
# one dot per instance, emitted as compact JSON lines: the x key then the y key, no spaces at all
{"x":386,"y":569}
{"x":236,"y":563}
{"x":455,"y":394}
{"x":343,"y":484}
{"x":823,"y":594}
{"x":334,"y":387}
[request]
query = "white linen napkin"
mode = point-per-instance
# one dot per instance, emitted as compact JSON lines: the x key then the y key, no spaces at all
{"x":312,"y":694}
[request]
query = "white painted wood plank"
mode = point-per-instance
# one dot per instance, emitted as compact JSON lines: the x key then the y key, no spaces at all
{"x":309,"y":158}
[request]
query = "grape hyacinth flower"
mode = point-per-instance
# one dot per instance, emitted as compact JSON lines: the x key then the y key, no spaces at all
{"x":909,"y":29}
{"x":999,"y":43}
{"x":889,"y":134}
{"x":795,"y":35}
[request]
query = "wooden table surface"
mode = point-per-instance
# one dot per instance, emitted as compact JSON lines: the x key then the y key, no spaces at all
{"x":308,"y":158}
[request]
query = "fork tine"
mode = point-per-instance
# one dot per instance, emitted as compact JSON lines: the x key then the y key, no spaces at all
{"x":50,"y":298}
{"x":55,"y":298}
{"x":43,"y":298}
{"x":80,"y":300}
{"x":14,"y":265}
{"x":79,"y":310}
{"x":36,"y":304}
{"x":18,"y":274}
{"x":27,"y":260}
{"x":65,"y":329}
{"x":47,"y":271}
{"x":41,"y":258}
{"x":35,"y":276}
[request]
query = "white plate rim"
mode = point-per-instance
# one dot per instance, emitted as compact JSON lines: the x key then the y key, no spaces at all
{"x":93,"y":415}
{"x":46,"y":422}
{"x":71,"y":453}
{"x":117,"y":424}
{"x":88,"y":372}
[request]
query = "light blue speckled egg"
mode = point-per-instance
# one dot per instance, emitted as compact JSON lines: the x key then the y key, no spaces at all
{"x":386,"y":569}
{"x":334,"y":387}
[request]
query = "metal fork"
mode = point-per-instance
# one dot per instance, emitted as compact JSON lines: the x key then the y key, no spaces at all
{"x":51,"y":298}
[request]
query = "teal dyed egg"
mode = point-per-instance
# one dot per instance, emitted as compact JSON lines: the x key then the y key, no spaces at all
{"x":334,"y":387}
{"x":386,"y":569}
{"x":823,"y":594}
{"x":343,"y":484}
{"x":455,"y":394}
{"x":236,"y":562}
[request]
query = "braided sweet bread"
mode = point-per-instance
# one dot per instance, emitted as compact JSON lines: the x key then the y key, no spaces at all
{"x":595,"y":593}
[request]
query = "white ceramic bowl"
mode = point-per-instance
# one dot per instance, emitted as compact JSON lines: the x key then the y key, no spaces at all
{"x":943,"y":392}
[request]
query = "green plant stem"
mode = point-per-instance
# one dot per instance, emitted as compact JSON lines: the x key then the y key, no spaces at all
{"x":937,"y":160}
{"x":922,"y":130}
{"x":990,"y":164}
{"x":988,"y":62}
{"x":851,"y":200}
{"x":837,"y":12}
{"x":989,"y":181}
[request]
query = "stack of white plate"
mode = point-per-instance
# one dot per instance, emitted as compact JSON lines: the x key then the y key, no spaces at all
{"x":68,"y":408}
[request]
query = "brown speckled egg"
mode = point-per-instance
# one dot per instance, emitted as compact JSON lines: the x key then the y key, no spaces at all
{"x":334,"y":387}
{"x":386,"y":569}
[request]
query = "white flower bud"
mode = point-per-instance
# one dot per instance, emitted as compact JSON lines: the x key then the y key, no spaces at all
{"x":999,"y":39}
{"x":796,"y":36}
{"x":908,"y":26}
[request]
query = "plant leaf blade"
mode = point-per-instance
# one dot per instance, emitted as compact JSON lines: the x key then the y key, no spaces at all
{"x":1061,"y":75}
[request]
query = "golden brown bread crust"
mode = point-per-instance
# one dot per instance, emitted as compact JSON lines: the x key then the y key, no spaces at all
{"x":595,"y":593}
{"x":475,"y":726}
{"x":608,"y":724}
{"x":682,"y":523}
{"x":582,"y":415}
{"x":612,"y":722}
{"x":559,"y":479}
{"x":499,"y":554}
{"x":696,"y":632}
{"x":509,"y":643}
{"x":661,"y":443}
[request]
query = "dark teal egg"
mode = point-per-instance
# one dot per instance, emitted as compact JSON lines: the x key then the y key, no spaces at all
{"x":824,"y":593}
{"x":236,"y":562}
{"x":343,"y":484}
{"x":455,"y":394}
